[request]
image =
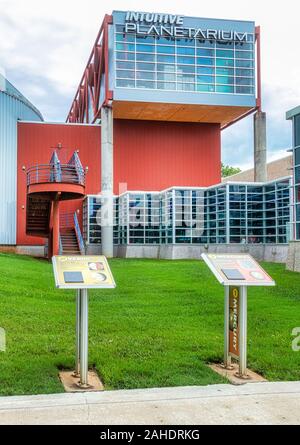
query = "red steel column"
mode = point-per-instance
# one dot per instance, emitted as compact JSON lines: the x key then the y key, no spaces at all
{"x":55,"y":237}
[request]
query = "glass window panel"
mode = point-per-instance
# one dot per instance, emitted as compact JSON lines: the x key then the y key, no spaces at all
{"x":166,"y":85}
{"x":185,"y":69}
{"x":188,"y":51}
{"x":224,"y":62}
{"x":185,"y":42}
{"x":125,"y":38}
{"x":145,"y":84}
{"x":166,"y":76}
{"x":205,"y":88}
{"x":244,"y":54}
{"x":145,"y":57}
{"x":206,"y":43}
{"x":186,"y":59}
{"x":125,"y":83}
{"x":185,"y":86}
{"x":204,"y":61}
{"x":225,"y":71}
{"x":145,"y":75}
{"x":205,"y":52}
{"x":243,"y":72}
{"x":125,"y":65}
{"x":165,"y":59}
{"x":224,"y":44}
{"x":125,"y":56}
{"x":205,"y":79}
{"x":297,"y":129}
{"x":185,"y":78}
{"x":243,"y":45}
{"x":224,"y":89}
{"x":224,"y":53}
{"x":145,"y":48}
{"x":165,"y":41}
{"x":145,"y":66}
{"x":297,"y":151}
{"x":125,"y":47}
{"x":125,"y":74}
{"x":205,"y":70}
{"x":244,"y":90}
{"x":165,"y":49}
{"x":297,"y":175}
{"x":244,"y":81}
{"x":244,"y":63}
{"x":145,"y":39}
{"x":165,"y":67}
{"x":225,"y":80}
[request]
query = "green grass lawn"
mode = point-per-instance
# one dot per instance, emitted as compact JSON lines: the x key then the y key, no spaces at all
{"x":159,"y":327}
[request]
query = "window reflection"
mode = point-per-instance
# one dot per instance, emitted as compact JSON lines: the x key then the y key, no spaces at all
{"x":184,"y":64}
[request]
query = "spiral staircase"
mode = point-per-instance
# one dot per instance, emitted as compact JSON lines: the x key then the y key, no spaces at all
{"x":47,"y":186}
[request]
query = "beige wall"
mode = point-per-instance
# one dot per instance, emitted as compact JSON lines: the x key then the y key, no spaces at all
{"x":275,"y":169}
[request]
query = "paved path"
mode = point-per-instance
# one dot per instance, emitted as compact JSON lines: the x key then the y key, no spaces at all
{"x":252,"y":403}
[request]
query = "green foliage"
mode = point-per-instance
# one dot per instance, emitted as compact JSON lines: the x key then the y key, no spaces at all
{"x":159,"y":327}
{"x":227,"y":170}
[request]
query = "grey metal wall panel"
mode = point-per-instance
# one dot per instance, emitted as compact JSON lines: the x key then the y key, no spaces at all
{"x":13,"y":107}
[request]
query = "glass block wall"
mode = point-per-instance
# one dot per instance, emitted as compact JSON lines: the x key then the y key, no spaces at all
{"x":227,"y":213}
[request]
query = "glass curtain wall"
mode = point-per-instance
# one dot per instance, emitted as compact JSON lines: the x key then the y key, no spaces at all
{"x":92,"y":219}
{"x":296,"y":123}
{"x":228,"y":213}
{"x":182,"y":64}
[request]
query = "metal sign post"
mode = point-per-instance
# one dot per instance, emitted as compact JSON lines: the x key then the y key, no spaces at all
{"x":83,"y":358}
{"x":78,"y":317}
{"x":227,"y":357}
{"x":236,"y":272}
{"x":82,"y":273}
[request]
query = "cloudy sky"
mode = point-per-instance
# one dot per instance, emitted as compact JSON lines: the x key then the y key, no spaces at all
{"x":44,"y":47}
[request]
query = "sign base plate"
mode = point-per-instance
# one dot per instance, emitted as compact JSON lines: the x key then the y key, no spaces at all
{"x":232,"y":374}
{"x":71,"y":382}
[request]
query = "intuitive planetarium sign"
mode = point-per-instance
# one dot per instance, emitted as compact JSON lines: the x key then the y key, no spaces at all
{"x":142,"y":23}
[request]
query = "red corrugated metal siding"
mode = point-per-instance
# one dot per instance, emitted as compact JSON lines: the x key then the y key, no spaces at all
{"x":151,"y":155}
{"x":148,"y":155}
{"x":36,"y":143}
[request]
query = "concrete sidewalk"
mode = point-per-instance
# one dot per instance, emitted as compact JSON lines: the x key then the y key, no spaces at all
{"x":252,"y":403}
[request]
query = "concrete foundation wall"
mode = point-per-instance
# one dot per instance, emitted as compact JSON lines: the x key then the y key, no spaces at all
{"x":293,"y":257}
{"x":36,"y":251}
{"x":276,"y":253}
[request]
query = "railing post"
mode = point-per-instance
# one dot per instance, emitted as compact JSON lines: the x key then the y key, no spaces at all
{"x":55,"y":241}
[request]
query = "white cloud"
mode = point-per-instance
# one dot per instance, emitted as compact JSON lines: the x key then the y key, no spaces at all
{"x":44,"y":48}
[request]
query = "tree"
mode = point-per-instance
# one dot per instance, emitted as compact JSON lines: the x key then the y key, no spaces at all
{"x":227,"y":170}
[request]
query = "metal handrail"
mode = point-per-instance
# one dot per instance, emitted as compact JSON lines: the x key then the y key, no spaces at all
{"x":65,"y":173}
{"x":66,"y":220}
{"x":79,"y":235}
{"x":56,"y":168}
{"x":75,"y":161}
{"x":60,"y":246}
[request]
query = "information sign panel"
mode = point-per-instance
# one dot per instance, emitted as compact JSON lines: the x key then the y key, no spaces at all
{"x":82,"y":272}
{"x":237,"y":270}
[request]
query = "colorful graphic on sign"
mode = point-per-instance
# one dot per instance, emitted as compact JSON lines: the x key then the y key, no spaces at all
{"x":234,"y":305}
{"x":82,"y":272}
{"x":237,"y":269}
